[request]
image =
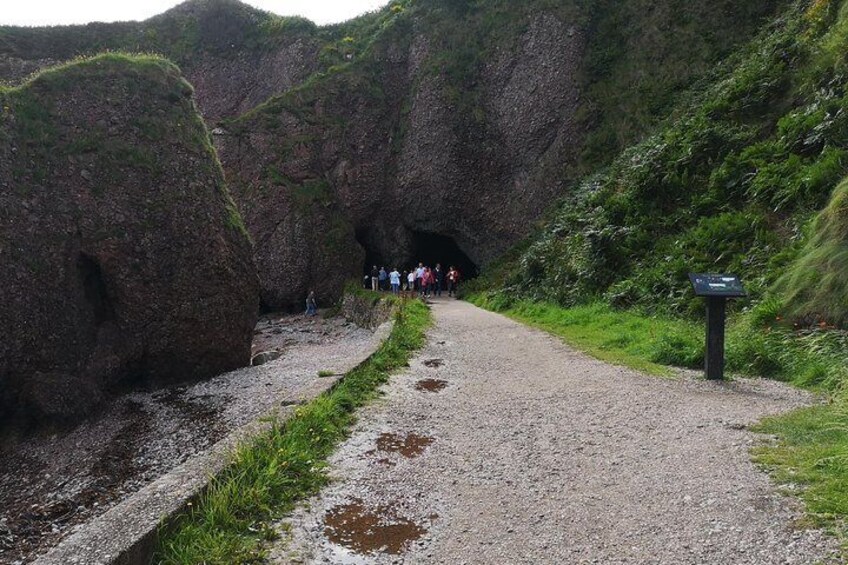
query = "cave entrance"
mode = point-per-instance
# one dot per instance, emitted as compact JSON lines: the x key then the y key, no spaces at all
{"x":431,"y":248}
{"x":372,"y":255}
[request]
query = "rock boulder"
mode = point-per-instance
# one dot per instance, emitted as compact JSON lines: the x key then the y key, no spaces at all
{"x":124,"y":260}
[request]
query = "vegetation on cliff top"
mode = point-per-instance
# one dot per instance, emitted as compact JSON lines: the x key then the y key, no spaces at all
{"x":729,"y":184}
{"x":27,"y":118}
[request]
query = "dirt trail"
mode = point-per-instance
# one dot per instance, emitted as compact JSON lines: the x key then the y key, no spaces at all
{"x":535,"y":453}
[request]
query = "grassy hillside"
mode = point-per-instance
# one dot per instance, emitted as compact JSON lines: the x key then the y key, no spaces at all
{"x":730,"y":183}
{"x":814,"y":286}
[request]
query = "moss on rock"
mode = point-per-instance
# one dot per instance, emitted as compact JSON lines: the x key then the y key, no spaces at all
{"x":124,"y":258}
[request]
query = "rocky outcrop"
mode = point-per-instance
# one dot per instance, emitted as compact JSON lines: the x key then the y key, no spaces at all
{"x":448,"y":130}
{"x":395,"y":158}
{"x":124,"y":258}
{"x":234,"y":55}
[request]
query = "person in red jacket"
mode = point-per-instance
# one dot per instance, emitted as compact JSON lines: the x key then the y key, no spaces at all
{"x":453,"y":280}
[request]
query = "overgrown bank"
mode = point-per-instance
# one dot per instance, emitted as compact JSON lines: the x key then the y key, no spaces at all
{"x":746,"y":176}
{"x":232,"y":521}
{"x":735,"y":181}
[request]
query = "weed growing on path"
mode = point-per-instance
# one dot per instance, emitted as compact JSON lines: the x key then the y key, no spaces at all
{"x":287,"y":464}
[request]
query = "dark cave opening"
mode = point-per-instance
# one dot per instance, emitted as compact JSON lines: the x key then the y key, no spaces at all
{"x":423,"y":247}
{"x":432,"y":248}
{"x":372,"y":254}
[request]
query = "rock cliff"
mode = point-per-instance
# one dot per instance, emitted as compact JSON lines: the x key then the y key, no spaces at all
{"x":124,"y":258}
{"x":431,"y":129}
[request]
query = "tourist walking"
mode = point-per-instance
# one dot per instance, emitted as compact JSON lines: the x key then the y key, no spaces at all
{"x":419,"y":275}
{"x":453,"y":280}
{"x":430,"y":277}
{"x":410,"y":281}
{"x":375,"y":278}
{"x":383,"y":277}
{"x":439,"y":276}
{"x":394,"y":279}
{"x":424,"y":283}
{"x":311,"y":304}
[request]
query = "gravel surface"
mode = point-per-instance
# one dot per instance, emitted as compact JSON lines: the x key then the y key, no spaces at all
{"x":535,"y":453}
{"x":54,"y":482}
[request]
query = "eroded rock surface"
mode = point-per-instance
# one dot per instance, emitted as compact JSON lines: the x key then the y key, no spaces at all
{"x":430,"y":127}
{"x":124,"y":258}
{"x":349,"y":163}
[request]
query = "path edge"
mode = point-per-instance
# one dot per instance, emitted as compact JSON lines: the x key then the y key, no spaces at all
{"x":128,"y":533}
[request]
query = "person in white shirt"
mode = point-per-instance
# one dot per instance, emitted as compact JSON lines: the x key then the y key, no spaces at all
{"x":419,"y":274}
{"x":394,"y":279}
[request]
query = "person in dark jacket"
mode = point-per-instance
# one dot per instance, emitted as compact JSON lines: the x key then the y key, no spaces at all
{"x":439,"y":275}
{"x":375,"y":278}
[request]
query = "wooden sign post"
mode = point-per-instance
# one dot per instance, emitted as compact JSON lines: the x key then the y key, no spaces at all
{"x":716,"y":289}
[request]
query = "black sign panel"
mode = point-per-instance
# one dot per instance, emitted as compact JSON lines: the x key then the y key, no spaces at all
{"x":728,"y":286}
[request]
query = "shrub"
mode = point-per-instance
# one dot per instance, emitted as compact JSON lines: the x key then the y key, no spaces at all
{"x":815,"y":288}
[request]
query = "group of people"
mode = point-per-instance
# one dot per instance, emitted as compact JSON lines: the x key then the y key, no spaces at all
{"x":423,"y":280}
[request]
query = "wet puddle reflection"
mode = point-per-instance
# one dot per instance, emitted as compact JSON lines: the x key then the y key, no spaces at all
{"x":431,"y":385}
{"x":410,"y":446}
{"x":366,"y":531}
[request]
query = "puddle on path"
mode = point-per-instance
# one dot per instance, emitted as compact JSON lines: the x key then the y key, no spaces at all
{"x":410,"y":446}
{"x":434,"y":363}
{"x":367,"y":531}
{"x":431,"y":385}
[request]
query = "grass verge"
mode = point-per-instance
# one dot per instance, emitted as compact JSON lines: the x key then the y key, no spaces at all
{"x":654,"y":343}
{"x":231,"y":523}
{"x":811,"y":458}
{"x":617,"y":337}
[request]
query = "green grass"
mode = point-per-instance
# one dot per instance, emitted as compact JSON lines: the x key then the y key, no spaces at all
{"x":757,"y":343}
{"x":812,"y":453}
{"x":815,"y":285}
{"x":231,"y":523}
{"x":617,"y":337}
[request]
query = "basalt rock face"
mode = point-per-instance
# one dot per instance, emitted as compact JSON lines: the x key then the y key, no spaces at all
{"x":390,"y":156}
{"x":445,"y":126}
{"x":124,"y":259}
{"x":457,"y":119}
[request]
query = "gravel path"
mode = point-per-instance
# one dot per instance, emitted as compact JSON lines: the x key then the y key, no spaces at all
{"x":54,"y":482}
{"x":535,"y":453}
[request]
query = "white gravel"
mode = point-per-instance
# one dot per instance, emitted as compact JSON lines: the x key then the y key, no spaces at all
{"x":544,"y":455}
{"x":54,"y":482}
